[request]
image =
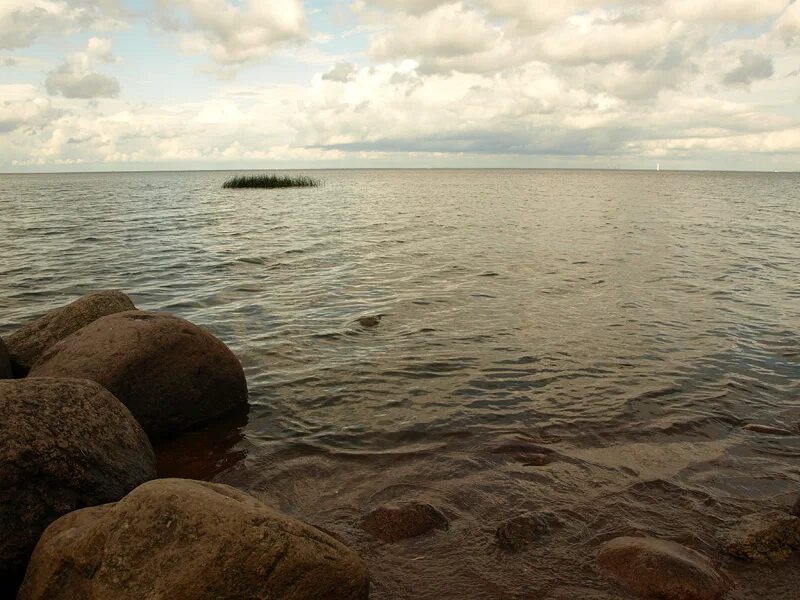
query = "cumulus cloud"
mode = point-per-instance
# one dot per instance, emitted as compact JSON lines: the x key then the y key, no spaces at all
{"x":788,"y":24}
{"x":74,"y":78}
{"x":22,"y":21}
{"x":752,"y":67}
{"x":729,"y":11}
{"x":233,"y":33}
{"x":341,"y":71}
{"x":22,"y":108}
{"x":449,"y":37}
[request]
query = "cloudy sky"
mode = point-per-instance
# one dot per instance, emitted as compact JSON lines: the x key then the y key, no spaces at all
{"x":193,"y":84}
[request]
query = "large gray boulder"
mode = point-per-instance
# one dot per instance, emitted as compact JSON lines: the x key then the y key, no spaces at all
{"x":177,"y":538}
{"x":27,"y":344}
{"x":653,"y":568}
{"x":170,"y":373}
{"x":66,"y":444}
{"x":5,"y":362}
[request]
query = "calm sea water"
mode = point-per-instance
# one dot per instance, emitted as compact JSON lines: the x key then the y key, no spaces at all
{"x":624,"y":325}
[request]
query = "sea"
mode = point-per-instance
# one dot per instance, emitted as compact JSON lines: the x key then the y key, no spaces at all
{"x":598,"y":345}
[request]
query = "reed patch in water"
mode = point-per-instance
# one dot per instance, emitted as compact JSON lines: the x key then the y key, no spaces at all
{"x":271,"y":181}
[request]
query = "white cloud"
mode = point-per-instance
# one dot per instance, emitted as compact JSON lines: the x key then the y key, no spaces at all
{"x":22,"y":108}
{"x":22,"y":21}
{"x":341,"y":71}
{"x":233,"y":33}
{"x":449,"y":37}
{"x":730,"y":11}
{"x":788,"y":24}
{"x":74,"y":78}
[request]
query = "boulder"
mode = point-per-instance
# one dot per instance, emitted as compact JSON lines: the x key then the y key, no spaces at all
{"x":177,"y":538}
{"x":26,"y":345}
{"x":66,"y":444}
{"x":767,"y":536}
{"x":397,"y":521}
{"x":5,"y":362}
{"x":525,"y":529}
{"x":170,"y":373}
{"x":654,"y":568}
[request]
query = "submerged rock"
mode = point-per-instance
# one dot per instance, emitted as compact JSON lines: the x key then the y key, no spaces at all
{"x":177,"y":538}
{"x":27,"y":344}
{"x":170,"y":373}
{"x":370,"y":321}
{"x":66,"y":444}
{"x":523,"y":530}
{"x":398,"y":521}
{"x":768,"y":429}
{"x":5,"y":362}
{"x":654,"y":568}
{"x":768,"y":536}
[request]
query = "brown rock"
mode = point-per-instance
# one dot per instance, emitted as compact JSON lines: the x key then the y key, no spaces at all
{"x":26,"y":345}
{"x":5,"y":362}
{"x":177,"y":538}
{"x":654,"y":568}
{"x":768,"y":536}
{"x":796,"y":508}
{"x":170,"y":373}
{"x":66,"y":444}
{"x":398,"y":521}
{"x":768,"y":429}
{"x":522,"y":530}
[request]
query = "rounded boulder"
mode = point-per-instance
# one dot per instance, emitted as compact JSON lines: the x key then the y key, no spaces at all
{"x":654,"y":568}
{"x":170,"y":373}
{"x":26,"y":345}
{"x":66,"y":444}
{"x":177,"y":538}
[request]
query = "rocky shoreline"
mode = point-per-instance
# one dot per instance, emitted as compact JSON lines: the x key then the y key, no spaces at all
{"x":85,"y":391}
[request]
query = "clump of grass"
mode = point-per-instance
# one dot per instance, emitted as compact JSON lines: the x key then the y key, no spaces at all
{"x":271,"y":181}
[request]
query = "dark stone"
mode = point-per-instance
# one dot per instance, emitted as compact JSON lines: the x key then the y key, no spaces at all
{"x":796,"y":508}
{"x":5,"y":362}
{"x":398,"y":521}
{"x":523,"y":530}
{"x":177,"y":538}
{"x":170,"y":373}
{"x":371,"y":321}
{"x":654,"y":568}
{"x":26,"y":345}
{"x":767,"y":536}
{"x":66,"y":444}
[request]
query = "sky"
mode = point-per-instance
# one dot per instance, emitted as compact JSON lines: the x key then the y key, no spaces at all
{"x":91,"y":85}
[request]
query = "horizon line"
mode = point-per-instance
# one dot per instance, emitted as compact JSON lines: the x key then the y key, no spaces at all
{"x":609,"y":169}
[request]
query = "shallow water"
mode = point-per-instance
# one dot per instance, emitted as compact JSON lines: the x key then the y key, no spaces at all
{"x":584,"y":341}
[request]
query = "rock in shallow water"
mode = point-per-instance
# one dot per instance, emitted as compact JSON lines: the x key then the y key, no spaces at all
{"x":523,"y":530}
{"x":768,"y":536}
{"x":398,"y":521}
{"x":654,"y":568}
{"x":170,"y":373}
{"x":66,"y":444}
{"x":26,"y":345}
{"x":5,"y":362}
{"x":176,"y":538}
